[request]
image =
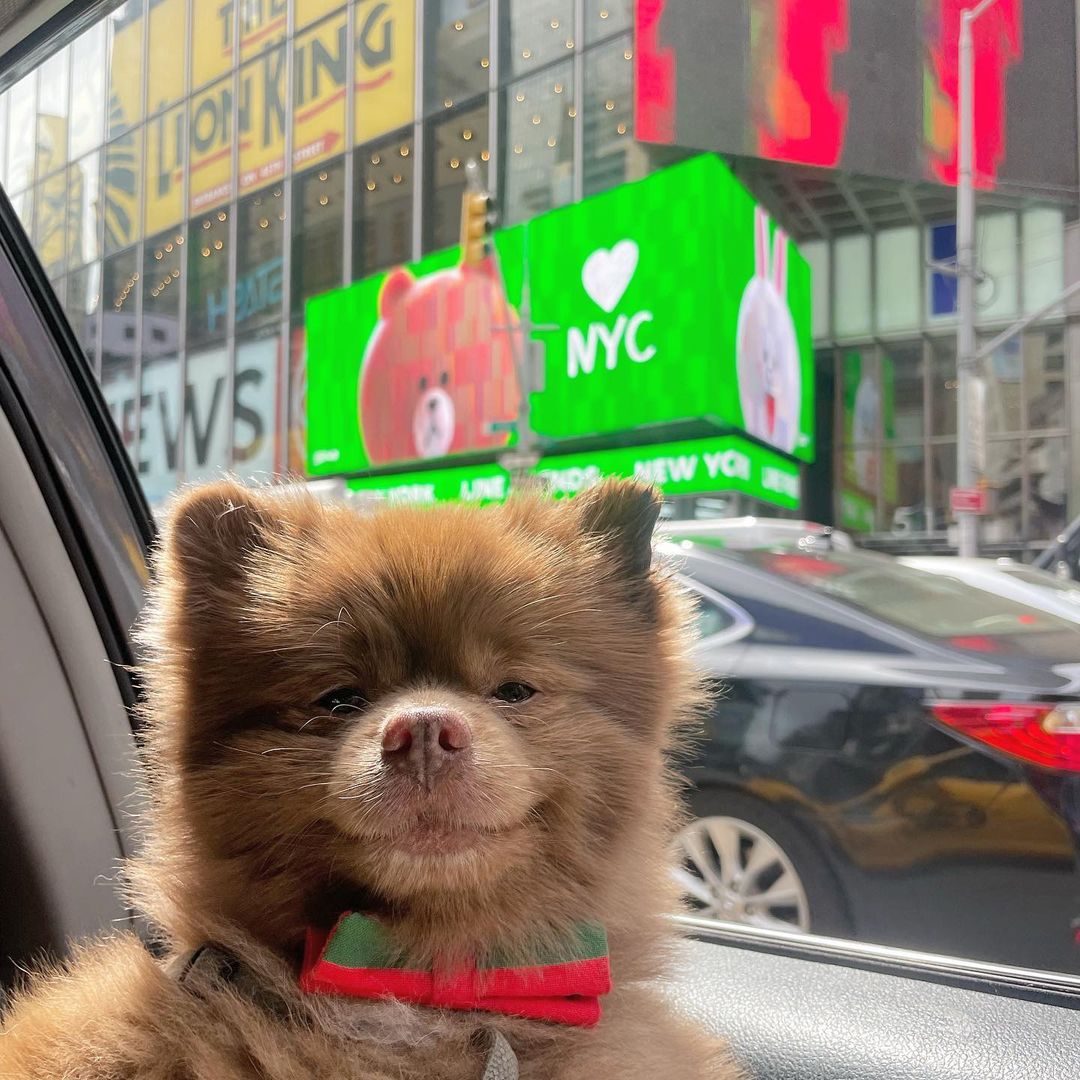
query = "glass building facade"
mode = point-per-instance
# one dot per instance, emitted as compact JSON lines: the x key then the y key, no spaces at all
{"x":192,"y":171}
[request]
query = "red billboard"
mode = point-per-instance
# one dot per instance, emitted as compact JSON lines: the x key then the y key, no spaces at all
{"x":869,"y":86}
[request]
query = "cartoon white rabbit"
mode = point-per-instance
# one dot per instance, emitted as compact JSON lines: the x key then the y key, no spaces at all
{"x":770,"y":379}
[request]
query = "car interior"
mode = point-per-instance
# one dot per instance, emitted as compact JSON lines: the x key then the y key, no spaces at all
{"x":74,"y":531}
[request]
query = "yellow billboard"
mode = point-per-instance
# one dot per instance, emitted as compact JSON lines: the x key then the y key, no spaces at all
{"x":52,"y":196}
{"x":209,"y":140}
{"x":167,"y":53}
{"x":211,"y":41}
{"x":261,"y":114}
{"x":166,"y":140}
{"x":320,"y":61}
{"x":125,"y":69}
{"x":384,"y":66}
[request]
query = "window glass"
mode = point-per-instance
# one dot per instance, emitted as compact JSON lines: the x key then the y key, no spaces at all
{"x":942,"y":386}
{"x":904,"y":508}
{"x":166,"y":150}
{"x":320,"y":63}
{"x":535,"y":33}
{"x":451,"y":142}
{"x":210,"y":147}
{"x":262,"y":24}
{"x":538,"y":144}
{"x":84,"y":210}
{"x":709,"y":618}
{"x":262,"y":147}
{"x":159,"y":377}
{"x":898,"y":278}
{"x":456,"y":51}
{"x":369,"y":15}
{"x":611,"y":156}
{"x":384,"y":76}
{"x":208,"y":280}
{"x":255,"y":422}
{"x":20,"y":149}
{"x":3,"y":139}
{"x":318,"y":232}
{"x":1005,"y":474}
{"x":119,"y":333}
{"x":82,"y":302}
{"x":297,"y":403}
{"x":207,"y":443}
{"x":904,"y":385}
{"x":212,"y":45}
{"x":260,"y":233}
{"x":1044,"y":256}
{"x":383,"y":205}
{"x":1046,"y":388}
{"x":851,"y":279}
{"x":996,"y":245}
{"x":1003,"y":377}
{"x":817,"y":253}
{"x":52,"y":113}
{"x":166,"y":54}
{"x":1047,"y":460}
{"x":942,"y":478}
{"x":88,"y":91}
{"x":23,"y":205}
{"x":604,"y":17}
{"x":50,"y":223}
{"x":125,"y":66}
{"x":123,"y":173}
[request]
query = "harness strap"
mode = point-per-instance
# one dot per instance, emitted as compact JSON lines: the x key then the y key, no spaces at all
{"x":213,"y":964}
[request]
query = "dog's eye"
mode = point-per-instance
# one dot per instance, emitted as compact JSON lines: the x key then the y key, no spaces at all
{"x":513,"y":693}
{"x":423,"y":382}
{"x":444,"y":378}
{"x":344,"y":698}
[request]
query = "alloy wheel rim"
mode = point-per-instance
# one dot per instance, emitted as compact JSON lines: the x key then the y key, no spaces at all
{"x":732,"y":870}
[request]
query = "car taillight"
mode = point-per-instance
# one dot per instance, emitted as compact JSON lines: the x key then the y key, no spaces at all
{"x":1040,"y":734}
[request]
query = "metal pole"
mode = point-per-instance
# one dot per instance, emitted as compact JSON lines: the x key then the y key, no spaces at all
{"x":965,"y":281}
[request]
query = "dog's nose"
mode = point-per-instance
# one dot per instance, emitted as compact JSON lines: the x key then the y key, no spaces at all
{"x":421,"y":741}
{"x":432,"y":404}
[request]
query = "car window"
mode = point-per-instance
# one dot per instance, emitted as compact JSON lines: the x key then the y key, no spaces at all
{"x":703,"y":266}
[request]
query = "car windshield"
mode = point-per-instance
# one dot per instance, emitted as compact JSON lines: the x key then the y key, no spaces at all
{"x":933,"y":604}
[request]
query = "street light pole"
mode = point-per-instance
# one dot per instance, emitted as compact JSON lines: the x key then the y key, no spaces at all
{"x":968,"y":423}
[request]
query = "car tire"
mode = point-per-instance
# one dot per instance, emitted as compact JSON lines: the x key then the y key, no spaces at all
{"x":819,"y":905}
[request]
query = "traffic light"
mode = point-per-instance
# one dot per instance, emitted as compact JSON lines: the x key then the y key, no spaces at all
{"x":477,"y":224}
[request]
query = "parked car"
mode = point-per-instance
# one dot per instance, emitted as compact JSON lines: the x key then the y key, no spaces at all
{"x":1008,"y":578}
{"x":894,"y":755}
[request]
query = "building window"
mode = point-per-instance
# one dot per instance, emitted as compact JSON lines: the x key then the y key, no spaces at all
{"x":942,"y":386}
{"x":20,"y":149}
{"x":120,"y":287}
{"x":206,"y":413}
{"x":611,"y":156}
{"x":87,"y":92}
{"x":606,"y":17}
{"x":451,"y":143}
{"x":159,"y":375}
{"x":255,"y":406}
{"x":84,"y":210}
{"x":457,"y":52}
{"x":904,"y":490}
{"x":903,"y":387}
{"x":1046,"y":388}
{"x":208,"y":278}
{"x":537,"y":147}
{"x":123,"y":172}
{"x":1048,"y":462}
{"x":52,"y":114}
{"x":318,"y":232}
{"x":535,"y":33}
{"x":125,"y":67}
{"x":166,"y":154}
{"x":82,"y":303}
{"x":260,"y":234}
{"x":167,"y":53}
{"x":383,"y":205}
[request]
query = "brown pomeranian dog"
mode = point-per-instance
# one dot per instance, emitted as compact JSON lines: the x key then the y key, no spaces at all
{"x":409,"y":808}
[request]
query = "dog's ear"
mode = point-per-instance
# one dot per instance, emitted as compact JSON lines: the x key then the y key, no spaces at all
{"x":212,"y":531}
{"x":621,"y":515}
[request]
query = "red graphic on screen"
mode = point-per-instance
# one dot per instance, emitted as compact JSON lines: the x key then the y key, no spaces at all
{"x":439,"y":365}
{"x":654,"y":76}
{"x":798,"y":116}
{"x":997,"y":36}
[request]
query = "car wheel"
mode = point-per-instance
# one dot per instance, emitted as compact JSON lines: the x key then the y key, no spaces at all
{"x":743,"y":861}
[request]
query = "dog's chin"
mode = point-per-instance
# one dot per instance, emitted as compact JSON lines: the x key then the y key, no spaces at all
{"x":429,"y":859}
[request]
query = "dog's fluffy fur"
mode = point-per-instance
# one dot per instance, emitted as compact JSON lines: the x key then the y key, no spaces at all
{"x":269,"y":814}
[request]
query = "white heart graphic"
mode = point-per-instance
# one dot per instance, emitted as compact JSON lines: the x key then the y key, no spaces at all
{"x":606,"y":274}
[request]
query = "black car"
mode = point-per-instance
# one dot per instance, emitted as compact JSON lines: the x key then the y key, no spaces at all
{"x":892,"y":755}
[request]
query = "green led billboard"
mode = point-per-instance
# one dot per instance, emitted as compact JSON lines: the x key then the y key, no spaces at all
{"x":674,"y":297}
{"x":688,"y":467}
